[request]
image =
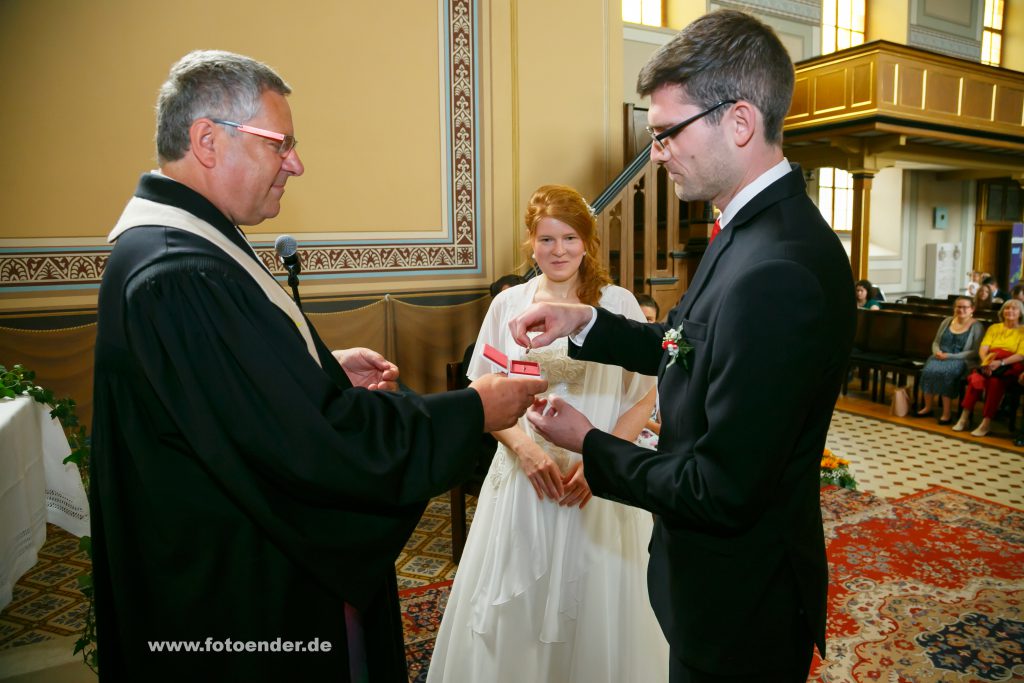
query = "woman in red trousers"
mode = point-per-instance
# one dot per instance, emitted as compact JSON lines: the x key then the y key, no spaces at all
{"x":1002,"y":351}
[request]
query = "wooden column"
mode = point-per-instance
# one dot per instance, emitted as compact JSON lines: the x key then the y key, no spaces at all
{"x":860,"y":237}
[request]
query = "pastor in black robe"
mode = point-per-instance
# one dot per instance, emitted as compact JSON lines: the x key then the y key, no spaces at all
{"x":242,"y":490}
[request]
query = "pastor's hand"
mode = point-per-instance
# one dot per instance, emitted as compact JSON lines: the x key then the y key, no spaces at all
{"x":553,"y":321}
{"x":559,"y":422}
{"x":505,"y":399}
{"x":368,"y":369}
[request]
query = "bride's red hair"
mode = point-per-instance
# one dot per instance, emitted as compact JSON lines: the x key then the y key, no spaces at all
{"x":567,"y":205}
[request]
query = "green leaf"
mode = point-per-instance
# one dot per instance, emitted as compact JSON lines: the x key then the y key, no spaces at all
{"x":18,"y":381}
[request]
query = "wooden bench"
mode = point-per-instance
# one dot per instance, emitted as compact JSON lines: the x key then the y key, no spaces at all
{"x":893,"y":341}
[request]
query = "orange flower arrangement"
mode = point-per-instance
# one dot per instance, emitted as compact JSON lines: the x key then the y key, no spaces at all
{"x":835,"y":471}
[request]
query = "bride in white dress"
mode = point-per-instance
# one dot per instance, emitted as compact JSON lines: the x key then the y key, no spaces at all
{"x":552,"y":583}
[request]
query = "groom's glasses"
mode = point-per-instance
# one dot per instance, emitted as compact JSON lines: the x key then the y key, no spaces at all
{"x":659,"y":138}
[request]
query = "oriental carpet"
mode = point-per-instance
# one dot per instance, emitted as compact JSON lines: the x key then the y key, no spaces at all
{"x":928,"y":588}
{"x":422,"y":608}
{"x":927,"y":584}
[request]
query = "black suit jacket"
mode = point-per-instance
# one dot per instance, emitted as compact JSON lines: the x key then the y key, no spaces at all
{"x":738,"y":554}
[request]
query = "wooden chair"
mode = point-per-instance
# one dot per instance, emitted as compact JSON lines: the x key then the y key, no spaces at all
{"x":859,"y":341}
{"x":456,"y":379}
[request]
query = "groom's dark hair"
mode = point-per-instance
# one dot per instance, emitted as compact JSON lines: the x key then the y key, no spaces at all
{"x":726,"y":55}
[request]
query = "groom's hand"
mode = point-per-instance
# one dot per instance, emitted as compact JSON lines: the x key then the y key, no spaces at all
{"x":559,"y":422}
{"x":551,"y":320}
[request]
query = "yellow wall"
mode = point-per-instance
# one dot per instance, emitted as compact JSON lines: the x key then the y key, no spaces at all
{"x":887,"y":20}
{"x":553,"y":108}
{"x":682,"y":12}
{"x":80,"y":83}
{"x":949,"y":194}
{"x":87,"y":74}
{"x":886,"y":210}
{"x":1013,"y":35}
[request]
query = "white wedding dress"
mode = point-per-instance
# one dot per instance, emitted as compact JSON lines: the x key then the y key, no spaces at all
{"x":544,"y":592}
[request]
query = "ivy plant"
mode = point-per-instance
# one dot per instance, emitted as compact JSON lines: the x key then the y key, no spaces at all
{"x":19,"y":381}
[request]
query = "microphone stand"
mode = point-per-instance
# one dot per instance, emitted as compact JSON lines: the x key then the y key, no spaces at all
{"x":293,"y":279}
{"x":288,"y":252}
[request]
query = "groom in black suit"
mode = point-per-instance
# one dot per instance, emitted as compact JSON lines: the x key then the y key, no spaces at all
{"x":737,"y":575}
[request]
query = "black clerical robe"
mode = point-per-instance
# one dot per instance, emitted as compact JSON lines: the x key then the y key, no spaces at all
{"x":241,"y":490}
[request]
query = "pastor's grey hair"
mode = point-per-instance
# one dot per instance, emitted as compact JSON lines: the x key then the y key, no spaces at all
{"x":209,"y":83}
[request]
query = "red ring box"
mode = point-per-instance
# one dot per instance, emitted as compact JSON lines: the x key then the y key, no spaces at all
{"x":523,"y":368}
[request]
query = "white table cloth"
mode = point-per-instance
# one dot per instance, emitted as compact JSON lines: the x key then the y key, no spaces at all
{"x":35,"y":487}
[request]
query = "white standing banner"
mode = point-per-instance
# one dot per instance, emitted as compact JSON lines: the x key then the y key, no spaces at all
{"x":943,"y":270}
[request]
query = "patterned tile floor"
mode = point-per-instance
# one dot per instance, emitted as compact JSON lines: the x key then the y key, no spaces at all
{"x":427,"y":557}
{"x":890,"y":457}
{"x":46,"y":601}
{"x":891,"y":460}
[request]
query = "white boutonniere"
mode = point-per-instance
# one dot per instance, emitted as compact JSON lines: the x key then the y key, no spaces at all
{"x":675,"y":343}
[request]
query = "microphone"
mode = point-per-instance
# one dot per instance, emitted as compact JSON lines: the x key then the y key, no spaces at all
{"x":288,"y":252}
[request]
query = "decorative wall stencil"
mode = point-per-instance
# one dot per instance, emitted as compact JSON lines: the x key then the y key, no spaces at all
{"x":60,"y":268}
{"x":56,"y":267}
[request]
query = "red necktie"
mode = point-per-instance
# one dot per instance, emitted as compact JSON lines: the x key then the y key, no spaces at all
{"x":714,"y":231}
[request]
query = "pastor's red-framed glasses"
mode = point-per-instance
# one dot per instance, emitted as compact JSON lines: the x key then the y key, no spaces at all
{"x":288,"y":142}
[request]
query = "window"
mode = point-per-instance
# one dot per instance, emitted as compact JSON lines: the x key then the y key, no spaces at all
{"x":646,"y":12}
{"x":842,"y":24}
{"x":835,"y":197}
{"x":1002,"y":200}
{"x":992,"y":36}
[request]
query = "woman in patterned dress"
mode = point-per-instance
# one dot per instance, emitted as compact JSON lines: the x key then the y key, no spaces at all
{"x":954,"y":354}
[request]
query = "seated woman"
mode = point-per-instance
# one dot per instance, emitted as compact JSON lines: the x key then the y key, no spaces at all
{"x":864,"y":290}
{"x":998,"y":295}
{"x":983,"y":299}
{"x":1001,"y":351}
{"x":954,"y":354}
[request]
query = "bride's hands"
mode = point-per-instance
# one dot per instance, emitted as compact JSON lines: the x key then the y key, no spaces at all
{"x":577,"y":490}
{"x":542,"y":471}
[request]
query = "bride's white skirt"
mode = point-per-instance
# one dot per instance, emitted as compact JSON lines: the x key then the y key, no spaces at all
{"x":549,"y":593}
